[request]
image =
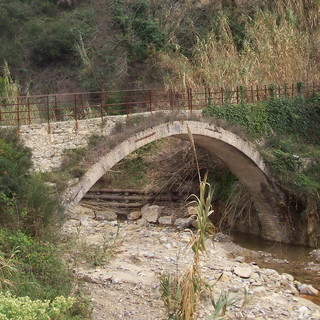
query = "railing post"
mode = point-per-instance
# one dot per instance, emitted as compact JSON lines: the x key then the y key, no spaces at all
{"x":57,"y":115}
{"x":126,"y":100}
{"x":170,"y":99}
{"x":101,"y":106}
{"x":222,"y":96}
{"x":28,"y":106}
{"x":205,"y":96}
{"x":258,"y":96}
{"x":313,"y":85}
{"x":285,"y":90}
{"x":265,"y":93}
{"x":106,"y":101}
{"x":48,"y":114}
{"x":150,"y":100}
{"x":56,"y":111}
{"x":300,"y":88}
{"x":292,"y":90}
{"x":75,"y":111}
{"x":190,"y":99}
{"x":237,"y":94}
{"x":18,"y":112}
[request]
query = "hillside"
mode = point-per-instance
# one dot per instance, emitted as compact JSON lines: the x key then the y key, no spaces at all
{"x":80,"y":45}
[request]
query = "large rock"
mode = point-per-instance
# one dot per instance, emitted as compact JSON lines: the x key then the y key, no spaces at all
{"x":315,"y":254}
{"x":243,"y":272}
{"x":107,"y":215}
{"x":183,"y":223}
{"x":308,"y":289}
{"x":150,"y":213}
{"x":134,"y":215}
{"x":291,"y":288}
{"x":166,"y":220}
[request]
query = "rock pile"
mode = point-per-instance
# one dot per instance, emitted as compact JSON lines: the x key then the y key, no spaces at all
{"x":128,"y":287}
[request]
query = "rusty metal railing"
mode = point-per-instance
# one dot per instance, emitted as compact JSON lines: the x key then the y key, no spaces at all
{"x":24,"y":110}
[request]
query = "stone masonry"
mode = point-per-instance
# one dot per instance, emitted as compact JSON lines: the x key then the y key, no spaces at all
{"x":48,"y":143}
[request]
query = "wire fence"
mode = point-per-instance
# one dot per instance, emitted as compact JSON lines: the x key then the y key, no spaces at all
{"x":25,"y":110}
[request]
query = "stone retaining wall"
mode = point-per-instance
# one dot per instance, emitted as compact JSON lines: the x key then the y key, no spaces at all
{"x":49,"y":142}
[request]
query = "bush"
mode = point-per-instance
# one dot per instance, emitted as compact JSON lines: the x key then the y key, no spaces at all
{"x":24,"y":308}
{"x":41,"y":274}
{"x":15,"y":162}
{"x":139,"y":30}
{"x":289,"y":130}
{"x":26,"y":202}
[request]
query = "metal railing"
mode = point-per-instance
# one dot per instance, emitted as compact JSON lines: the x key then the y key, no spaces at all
{"x":25,"y":110}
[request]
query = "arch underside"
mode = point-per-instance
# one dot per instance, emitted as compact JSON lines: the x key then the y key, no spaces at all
{"x":242,"y":159}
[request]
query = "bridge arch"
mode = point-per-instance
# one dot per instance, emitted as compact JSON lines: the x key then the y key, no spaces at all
{"x":239,"y":155}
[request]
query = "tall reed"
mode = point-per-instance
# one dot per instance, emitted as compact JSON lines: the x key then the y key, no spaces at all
{"x":181,"y":294}
{"x":279,"y":45}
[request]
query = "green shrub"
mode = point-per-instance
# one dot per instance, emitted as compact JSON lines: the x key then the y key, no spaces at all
{"x":41,"y":273}
{"x":71,"y":162}
{"x":26,"y":202}
{"x":17,"y":308}
{"x":139,"y":30}
{"x":15,"y":162}
{"x":298,"y":117}
{"x":252,"y":117}
{"x":291,"y":139}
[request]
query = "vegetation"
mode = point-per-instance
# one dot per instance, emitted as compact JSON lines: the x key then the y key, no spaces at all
{"x":91,"y":45}
{"x":31,"y":270}
{"x":27,"y":309}
{"x":286,"y":131}
{"x":181,"y":293}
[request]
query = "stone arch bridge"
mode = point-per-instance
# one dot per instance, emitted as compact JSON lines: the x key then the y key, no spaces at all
{"x":239,"y":155}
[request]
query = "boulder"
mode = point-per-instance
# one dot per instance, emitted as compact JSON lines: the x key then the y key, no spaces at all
{"x":134,"y":215}
{"x":291,"y":288}
{"x":315,"y":254}
{"x":183,"y":223}
{"x":166,"y":220}
{"x":239,"y":259}
{"x":107,"y":215}
{"x":243,"y":272}
{"x":150,"y":213}
{"x":308,"y":289}
{"x":287,"y":276}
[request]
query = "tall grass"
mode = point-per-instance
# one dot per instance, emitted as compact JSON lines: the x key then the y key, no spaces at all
{"x":181,"y":293}
{"x":279,"y":45}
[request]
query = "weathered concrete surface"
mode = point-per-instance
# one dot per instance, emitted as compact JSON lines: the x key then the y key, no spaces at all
{"x":240,"y":156}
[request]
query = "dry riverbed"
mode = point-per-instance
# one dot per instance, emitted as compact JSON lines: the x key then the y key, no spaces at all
{"x":128,"y":286}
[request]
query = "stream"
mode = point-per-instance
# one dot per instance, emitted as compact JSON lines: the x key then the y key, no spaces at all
{"x":285,"y":258}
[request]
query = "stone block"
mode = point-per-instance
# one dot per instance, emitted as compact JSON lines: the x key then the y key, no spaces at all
{"x":134,"y":215}
{"x":150,"y":213}
{"x":166,"y":220}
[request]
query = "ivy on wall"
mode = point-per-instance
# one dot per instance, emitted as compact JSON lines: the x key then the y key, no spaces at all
{"x":288,"y":136}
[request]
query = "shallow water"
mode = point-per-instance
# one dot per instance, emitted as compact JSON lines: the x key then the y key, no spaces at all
{"x":285,"y":258}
